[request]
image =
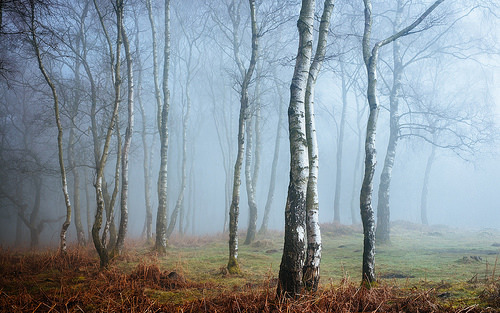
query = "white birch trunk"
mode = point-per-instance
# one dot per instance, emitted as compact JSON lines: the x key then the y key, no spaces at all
{"x":313,"y":253}
{"x":161,"y":218}
{"x":370,"y":57}
{"x":382,"y":233}
{"x":101,"y":160}
{"x":232,"y":264}
{"x":252,"y":205}
{"x":122,"y":231}
{"x":292,"y":261}
{"x":67,"y":222}
{"x":148,"y":231}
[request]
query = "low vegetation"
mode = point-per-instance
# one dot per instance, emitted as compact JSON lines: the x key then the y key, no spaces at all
{"x":423,"y":269}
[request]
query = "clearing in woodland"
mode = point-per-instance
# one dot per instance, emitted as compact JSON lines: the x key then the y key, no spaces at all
{"x":424,"y":269}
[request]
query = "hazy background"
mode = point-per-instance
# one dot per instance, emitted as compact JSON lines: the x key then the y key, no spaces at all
{"x":463,"y":188}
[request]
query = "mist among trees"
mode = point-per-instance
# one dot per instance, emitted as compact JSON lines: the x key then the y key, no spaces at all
{"x":150,"y":121}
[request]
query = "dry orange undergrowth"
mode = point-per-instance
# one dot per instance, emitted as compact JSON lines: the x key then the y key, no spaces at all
{"x":49,"y":282}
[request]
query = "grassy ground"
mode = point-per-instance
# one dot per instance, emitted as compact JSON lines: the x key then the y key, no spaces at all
{"x":424,"y":268}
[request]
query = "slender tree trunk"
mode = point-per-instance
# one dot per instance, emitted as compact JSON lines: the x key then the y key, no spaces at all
{"x":100,"y":244}
{"x":227,"y":193}
{"x":367,"y":214}
{"x":370,"y":57}
{"x":155,"y":60}
{"x":179,"y":205}
{"x":34,"y":230}
{"x":226,"y":154}
{"x":256,"y":151}
{"x":189,"y":214}
{"x":357,"y":163}
{"x":148,"y":232}
{"x":109,"y":201}
{"x":87,"y":204}
{"x":74,"y":112}
{"x":232,"y":264}
{"x":425,"y":186}
{"x":292,"y":261}
{"x":258,"y":134}
{"x":365,"y":201}
{"x":122,"y":231}
{"x":95,"y":137}
{"x":94,"y":128}
{"x":340,"y":146}
{"x":67,"y":222}
{"x":382,"y":234}
{"x":313,"y":254}
{"x":274,"y":166}
{"x":193,"y":201}
{"x":161,"y":218}
{"x":80,"y":234}
{"x":100,"y":248}
{"x":252,"y":205}
{"x":149,"y":218}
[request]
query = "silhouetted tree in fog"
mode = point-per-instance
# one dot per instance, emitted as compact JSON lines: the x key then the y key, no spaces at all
{"x":35,"y":42}
{"x":246,"y":73}
{"x":191,"y":57}
{"x":161,"y":217}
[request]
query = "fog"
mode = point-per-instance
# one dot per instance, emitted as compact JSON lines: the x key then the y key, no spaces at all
{"x":449,"y":94}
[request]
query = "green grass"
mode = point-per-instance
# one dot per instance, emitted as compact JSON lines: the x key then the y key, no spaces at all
{"x":417,"y":257}
{"x":454,"y":268}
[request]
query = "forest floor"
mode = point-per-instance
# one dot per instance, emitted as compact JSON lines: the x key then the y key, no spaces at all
{"x":423,"y":269}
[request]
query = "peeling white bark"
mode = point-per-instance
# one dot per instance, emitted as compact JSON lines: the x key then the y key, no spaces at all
{"x":301,"y":234}
{"x":313,"y":253}
{"x":290,"y":274}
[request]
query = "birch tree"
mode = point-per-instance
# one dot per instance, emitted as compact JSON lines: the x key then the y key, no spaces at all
{"x":272,"y":182}
{"x":313,"y":253}
{"x":448,"y":120}
{"x":122,"y":231}
{"x":292,"y":261}
{"x":434,"y":47}
{"x":223,"y":118}
{"x":370,"y":57}
{"x":100,"y":244}
{"x":347,"y":81}
{"x":191,"y":59}
{"x":382,"y":233}
{"x":247,"y":73}
{"x":48,"y":80}
{"x":74,"y":108}
{"x":250,"y":175}
{"x":146,"y":163}
{"x":161,"y":217}
{"x":157,"y":93}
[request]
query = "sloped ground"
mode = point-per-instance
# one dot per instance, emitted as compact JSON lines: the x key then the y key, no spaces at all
{"x":191,"y":278}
